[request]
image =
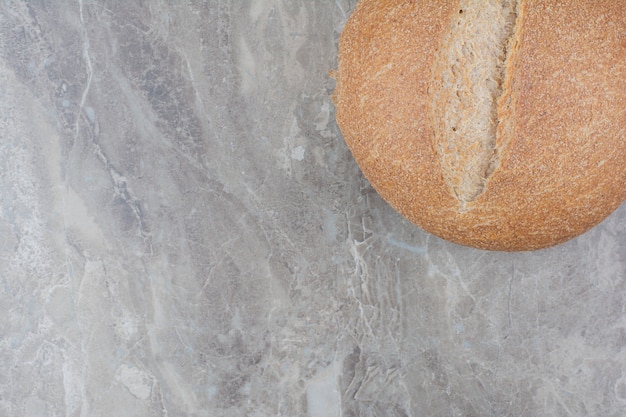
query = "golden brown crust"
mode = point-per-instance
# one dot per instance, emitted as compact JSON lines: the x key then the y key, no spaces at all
{"x":564,"y":167}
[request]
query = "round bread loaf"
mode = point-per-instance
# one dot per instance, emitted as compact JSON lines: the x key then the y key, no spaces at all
{"x":494,"y":124}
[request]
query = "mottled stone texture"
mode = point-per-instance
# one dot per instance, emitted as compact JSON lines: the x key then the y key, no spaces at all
{"x":184,"y":232}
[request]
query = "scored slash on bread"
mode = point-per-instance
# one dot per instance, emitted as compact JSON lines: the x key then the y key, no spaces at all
{"x":468,"y":74}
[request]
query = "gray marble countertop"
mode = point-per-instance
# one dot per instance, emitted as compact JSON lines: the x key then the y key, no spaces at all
{"x":184,"y":233}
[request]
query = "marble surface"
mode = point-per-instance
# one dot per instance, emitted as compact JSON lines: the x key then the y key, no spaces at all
{"x":184,"y":233}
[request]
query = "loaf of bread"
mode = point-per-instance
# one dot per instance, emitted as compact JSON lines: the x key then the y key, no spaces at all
{"x":498,"y":124}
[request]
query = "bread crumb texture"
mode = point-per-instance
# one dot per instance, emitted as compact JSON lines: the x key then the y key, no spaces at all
{"x":469,"y":72}
{"x":494,"y":124}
